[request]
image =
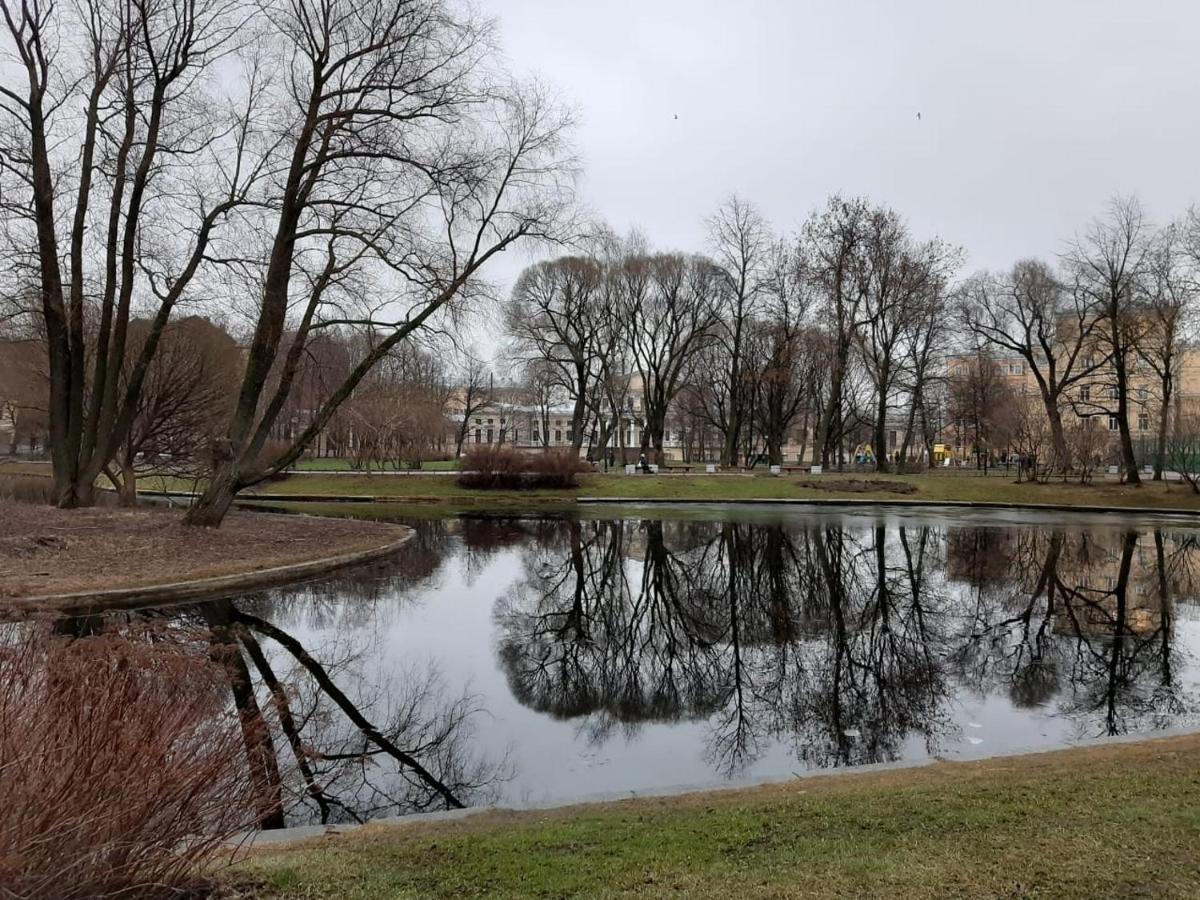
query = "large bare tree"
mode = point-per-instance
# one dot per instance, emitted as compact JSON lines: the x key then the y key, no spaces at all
{"x":833,"y":239}
{"x":1031,"y":313}
{"x":409,"y":162}
{"x":117,"y":164}
{"x":740,"y":241}
{"x":1108,"y":263}
{"x":669,"y":301}
{"x":558,"y":314}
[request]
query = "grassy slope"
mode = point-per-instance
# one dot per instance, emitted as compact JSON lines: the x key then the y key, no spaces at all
{"x":734,"y":487}
{"x":1106,"y":821}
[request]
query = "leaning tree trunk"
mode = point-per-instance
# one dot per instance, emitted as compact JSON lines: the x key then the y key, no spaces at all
{"x":1058,"y":438}
{"x":209,"y":509}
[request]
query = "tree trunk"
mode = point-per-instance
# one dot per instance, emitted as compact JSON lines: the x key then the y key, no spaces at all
{"x":209,"y":509}
{"x":127,"y":490}
{"x":1061,"y":454}
{"x":1160,"y":452}
{"x":882,"y":463}
{"x":1127,"y":458}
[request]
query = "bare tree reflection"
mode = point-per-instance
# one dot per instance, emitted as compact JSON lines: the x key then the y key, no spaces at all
{"x":1085,"y":624}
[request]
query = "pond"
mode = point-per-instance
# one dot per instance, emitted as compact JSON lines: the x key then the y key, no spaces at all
{"x":543,"y":660}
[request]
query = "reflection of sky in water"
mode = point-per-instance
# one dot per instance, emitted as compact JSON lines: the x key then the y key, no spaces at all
{"x":453,"y":618}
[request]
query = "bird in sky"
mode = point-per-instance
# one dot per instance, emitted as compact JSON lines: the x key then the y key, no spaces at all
{"x":676,"y":117}
{"x":918,"y":117}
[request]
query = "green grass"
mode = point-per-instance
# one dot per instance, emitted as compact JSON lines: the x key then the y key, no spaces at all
{"x":444,"y":491}
{"x":940,"y":487}
{"x":1116,"y":821}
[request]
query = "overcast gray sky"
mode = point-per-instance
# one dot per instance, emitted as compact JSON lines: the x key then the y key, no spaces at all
{"x":1033,"y":112}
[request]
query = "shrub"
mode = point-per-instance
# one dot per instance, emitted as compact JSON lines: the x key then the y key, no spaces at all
{"x":504,"y":468}
{"x":121,"y":765}
{"x":36,"y":489}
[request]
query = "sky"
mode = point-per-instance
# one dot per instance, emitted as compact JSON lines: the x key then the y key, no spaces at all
{"x":1032,"y":112}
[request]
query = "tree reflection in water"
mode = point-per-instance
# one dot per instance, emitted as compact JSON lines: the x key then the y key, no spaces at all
{"x":329,"y":737}
{"x":845,"y":640}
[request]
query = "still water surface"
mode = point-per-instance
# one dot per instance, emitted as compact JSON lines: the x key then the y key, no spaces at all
{"x":539,"y":660}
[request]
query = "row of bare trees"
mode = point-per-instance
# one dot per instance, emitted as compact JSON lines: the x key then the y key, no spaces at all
{"x":831,"y":329}
{"x":855,"y":331}
{"x":1102,"y":335}
{"x":300,"y":168}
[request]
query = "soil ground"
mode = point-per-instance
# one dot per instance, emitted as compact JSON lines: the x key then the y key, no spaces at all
{"x":52,"y":551}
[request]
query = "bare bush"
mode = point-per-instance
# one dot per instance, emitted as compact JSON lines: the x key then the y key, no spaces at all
{"x":496,"y":467}
{"x":1183,"y":450}
{"x":27,"y":489}
{"x":1089,"y":447}
{"x":121,"y":766}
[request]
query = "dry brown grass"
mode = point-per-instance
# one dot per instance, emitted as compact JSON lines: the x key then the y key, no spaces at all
{"x":121,"y":764}
{"x":49,"y":551}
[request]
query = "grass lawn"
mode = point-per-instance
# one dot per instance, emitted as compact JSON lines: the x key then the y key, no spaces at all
{"x":939,"y":487}
{"x":1115,"y":821}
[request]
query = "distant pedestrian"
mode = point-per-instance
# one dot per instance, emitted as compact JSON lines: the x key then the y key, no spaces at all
{"x":643,"y":464}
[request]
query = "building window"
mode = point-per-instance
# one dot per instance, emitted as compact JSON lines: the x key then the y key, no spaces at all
{"x":1143,"y":394}
{"x":489,"y":435}
{"x":1085,"y":393}
{"x":557,"y":436}
{"x":1143,"y":422}
{"x":479,"y":421}
{"x":537,"y":436}
{"x":570,"y":435}
{"x":478,"y":436}
{"x":516,"y":436}
{"x":1113,"y":423}
{"x":1112,"y":392}
{"x":489,"y":421}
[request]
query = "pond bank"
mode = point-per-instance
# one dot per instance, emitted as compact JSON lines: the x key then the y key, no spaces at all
{"x":1116,"y":819}
{"x":358,"y":491}
{"x":114,"y":557}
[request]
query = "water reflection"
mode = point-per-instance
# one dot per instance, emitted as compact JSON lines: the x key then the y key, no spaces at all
{"x":844,"y":641}
{"x":529,"y":659}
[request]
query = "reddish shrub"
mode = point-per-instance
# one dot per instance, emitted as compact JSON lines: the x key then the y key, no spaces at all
{"x":121,"y":765}
{"x":557,"y":469}
{"x":504,"y":468}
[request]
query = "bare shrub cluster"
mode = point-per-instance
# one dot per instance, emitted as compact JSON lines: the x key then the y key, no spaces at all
{"x":497,"y":467}
{"x":121,"y":766}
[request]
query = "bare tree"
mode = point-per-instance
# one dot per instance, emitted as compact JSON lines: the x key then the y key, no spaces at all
{"x":558,"y":314}
{"x":180,"y":407}
{"x":788,"y":365}
{"x":1031,"y":313}
{"x":1108,"y":263}
{"x":147,"y":173}
{"x":669,"y":301}
{"x":898,"y":277}
{"x":1171,"y":287}
{"x":833,"y":239}
{"x":981,"y":404}
{"x":409,"y":165}
{"x":740,"y":241}
{"x":475,"y":392}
